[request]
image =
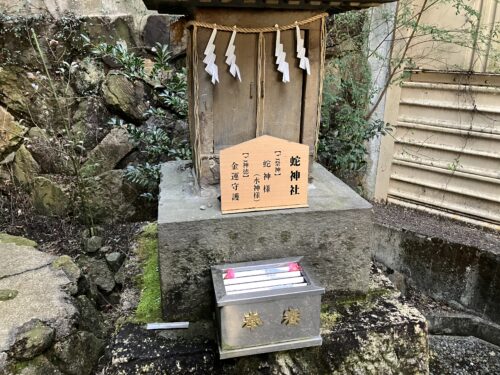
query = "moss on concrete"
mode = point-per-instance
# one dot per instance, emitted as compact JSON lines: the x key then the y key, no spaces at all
{"x":329,"y":319}
{"x":37,"y":366}
{"x":20,"y":241}
{"x":149,"y":308}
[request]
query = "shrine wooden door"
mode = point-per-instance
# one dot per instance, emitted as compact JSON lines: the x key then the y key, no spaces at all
{"x":231,"y":111}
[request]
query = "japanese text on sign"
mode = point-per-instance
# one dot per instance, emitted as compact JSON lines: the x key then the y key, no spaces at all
{"x":264,"y":173}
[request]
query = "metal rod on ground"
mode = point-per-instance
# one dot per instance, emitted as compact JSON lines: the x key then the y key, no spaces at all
{"x":172,"y":325}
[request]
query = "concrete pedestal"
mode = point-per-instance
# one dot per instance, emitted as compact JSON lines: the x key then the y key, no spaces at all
{"x":333,"y":234}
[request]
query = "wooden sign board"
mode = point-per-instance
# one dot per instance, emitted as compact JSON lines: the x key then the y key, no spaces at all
{"x":265,"y":173}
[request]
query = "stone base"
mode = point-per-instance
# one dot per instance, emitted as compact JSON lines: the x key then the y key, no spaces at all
{"x":333,"y":234}
{"x":374,"y":334}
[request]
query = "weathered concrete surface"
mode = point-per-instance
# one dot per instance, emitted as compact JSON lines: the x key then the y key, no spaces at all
{"x":460,"y":324}
{"x":374,"y":334}
{"x":451,"y":271}
{"x":39,"y":296}
{"x":19,"y":259}
{"x":333,"y":234}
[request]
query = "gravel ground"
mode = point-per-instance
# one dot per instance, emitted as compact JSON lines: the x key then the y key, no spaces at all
{"x":463,"y":355}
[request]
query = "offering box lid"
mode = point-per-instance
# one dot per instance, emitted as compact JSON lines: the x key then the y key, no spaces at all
{"x":264,"y":280}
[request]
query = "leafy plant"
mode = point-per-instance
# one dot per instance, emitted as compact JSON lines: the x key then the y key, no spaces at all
{"x":155,"y":146}
{"x":130,"y":64}
{"x":161,"y":66}
{"x":174,"y":95}
{"x":62,"y":137}
{"x":147,"y":176}
{"x":153,"y":142}
{"x":345,"y":128}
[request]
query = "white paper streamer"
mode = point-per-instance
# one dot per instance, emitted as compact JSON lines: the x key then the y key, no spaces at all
{"x":209,"y":60}
{"x":280,"y":58}
{"x":301,"y":52}
{"x":231,"y":58}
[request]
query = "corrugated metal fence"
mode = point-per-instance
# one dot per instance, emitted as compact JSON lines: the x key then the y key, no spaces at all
{"x":444,"y":155}
{"x":447,"y":146}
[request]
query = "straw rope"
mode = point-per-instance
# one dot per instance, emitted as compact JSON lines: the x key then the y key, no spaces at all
{"x":251,"y":30}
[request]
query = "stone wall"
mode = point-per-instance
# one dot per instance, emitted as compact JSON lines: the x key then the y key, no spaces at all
{"x":57,"y":8}
{"x":59,"y":150}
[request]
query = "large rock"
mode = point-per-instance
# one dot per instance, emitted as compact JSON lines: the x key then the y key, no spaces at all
{"x":11,"y":133}
{"x":111,"y":197}
{"x":115,"y":260}
{"x":91,"y":320}
{"x":78,"y":354}
{"x":20,"y":258}
{"x":48,"y":152}
{"x":32,"y":339}
{"x":99,"y":272}
{"x":39,"y":366}
{"x":124,"y":96}
{"x":113,"y":148}
{"x":112,"y":29}
{"x":49,"y":197}
{"x":176,"y":128}
{"x":92,"y":244}
{"x":20,"y":241}
{"x":90,"y":122}
{"x":156,"y":30}
{"x":88,"y":77}
{"x":23,"y":92}
{"x":13,"y":86}
{"x":25,"y":168}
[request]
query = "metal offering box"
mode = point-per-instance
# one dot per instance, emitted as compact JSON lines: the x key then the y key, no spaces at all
{"x":266,"y":306}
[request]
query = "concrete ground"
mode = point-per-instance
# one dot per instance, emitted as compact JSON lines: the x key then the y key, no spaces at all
{"x":30,"y":289}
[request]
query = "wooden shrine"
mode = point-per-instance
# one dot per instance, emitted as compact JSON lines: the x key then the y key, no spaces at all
{"x":239,"y":90}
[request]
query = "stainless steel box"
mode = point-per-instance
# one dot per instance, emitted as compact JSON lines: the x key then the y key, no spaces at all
{"x":266,"y":306}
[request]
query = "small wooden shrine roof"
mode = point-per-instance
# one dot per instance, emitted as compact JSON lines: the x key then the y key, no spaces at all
{"x":332,"y":6}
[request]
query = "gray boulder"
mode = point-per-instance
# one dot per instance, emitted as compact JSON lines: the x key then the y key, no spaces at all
{"x":88,"y":77}
{"x":107,"y":154}
{"x":32,"y":339}
{"x":11,"y":133}
{"x":124,"y":96}
{"x":91,"y":320}
{"x":49,"y":197}
{"x":90,"y":123}
{"x":48,"y":153}
{"x":25,"y":168}
{"x":70,"y":269}
{"x":111,"y":197}
{"x":115,"y":260}
{"x":78,"y":354}
{"x":92,"y":244}
{"x":99,"y":272}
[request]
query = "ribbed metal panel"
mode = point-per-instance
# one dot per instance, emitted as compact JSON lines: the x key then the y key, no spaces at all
{"x":447,"y":149}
